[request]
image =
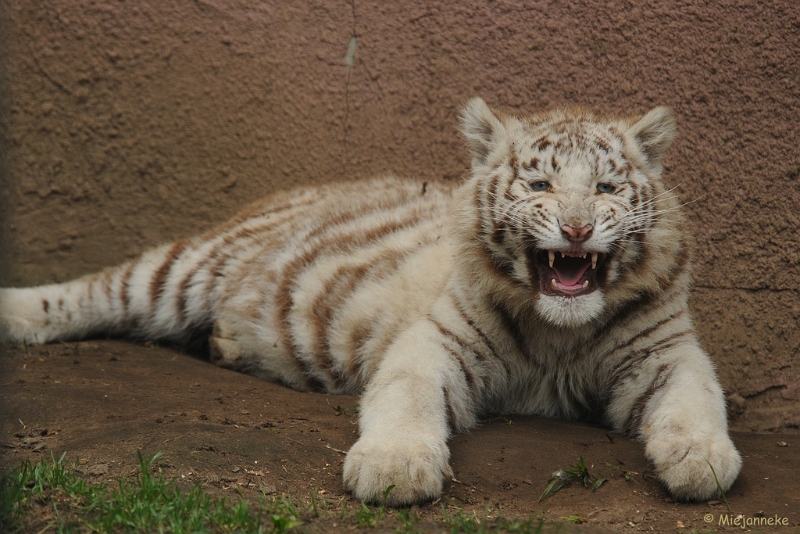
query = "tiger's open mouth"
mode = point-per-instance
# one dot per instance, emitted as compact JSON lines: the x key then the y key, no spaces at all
{"x":568,"y":274}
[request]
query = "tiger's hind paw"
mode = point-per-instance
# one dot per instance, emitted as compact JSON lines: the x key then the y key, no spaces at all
{"x":224,"y":350}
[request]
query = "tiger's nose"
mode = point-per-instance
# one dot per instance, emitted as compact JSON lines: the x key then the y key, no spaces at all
{"x":577,"y":235}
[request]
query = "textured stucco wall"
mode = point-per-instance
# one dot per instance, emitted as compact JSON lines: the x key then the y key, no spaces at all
{"x":129,"y":123}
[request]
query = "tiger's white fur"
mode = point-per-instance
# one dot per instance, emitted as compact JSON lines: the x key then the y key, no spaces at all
{"x":441,"y":304}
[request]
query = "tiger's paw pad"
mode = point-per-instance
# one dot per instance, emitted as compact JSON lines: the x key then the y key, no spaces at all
{"x":416,"y":468}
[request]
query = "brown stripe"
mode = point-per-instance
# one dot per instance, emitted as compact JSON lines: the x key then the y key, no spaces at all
{"x":285,"y":302}
{"x":472,"y":381}
{"x":388,"y":334}
{"x":628,"y":312}
{"x":162,"y":273}
{"x":446,"y":332}
{"x":343,"y":282}
{"x":469,"y":377}
{"x":495,"y":263}
{"x":512,"y":162}
{"x":359,"y":336}
{"x":487,"y":210}
{"x":512,"y":328}
{"x":678,"y":267}
{"x":124,"y":287}
{"x":634,"y":421}
{"x":507,"y":194}
{"x":622,"y":368}
{"x":182,"y":295}
{"x":467,"y":319}
{"x":499,"y":233}
{"x":533,"y":164}
{"x":105,"y":283}
{"x":647,"y":331}
{"x":669,"y":341}
{"x":451,"y":416}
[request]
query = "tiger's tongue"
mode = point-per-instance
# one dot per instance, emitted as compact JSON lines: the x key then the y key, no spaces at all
{"x":568,"y":276}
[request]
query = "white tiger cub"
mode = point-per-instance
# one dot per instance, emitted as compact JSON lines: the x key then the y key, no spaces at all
{"x":554,"y":281}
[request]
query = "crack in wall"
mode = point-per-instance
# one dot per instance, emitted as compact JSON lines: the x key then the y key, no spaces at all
{"x":350,"y":61}
{"x":748,"y":289}
{"x":765,"y":390}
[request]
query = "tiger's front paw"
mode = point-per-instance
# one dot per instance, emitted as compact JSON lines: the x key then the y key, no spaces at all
{"x":685,"y":465}
{"x":415,"y":467}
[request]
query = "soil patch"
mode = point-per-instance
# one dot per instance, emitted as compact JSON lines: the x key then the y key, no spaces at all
{"x":101,"y":401}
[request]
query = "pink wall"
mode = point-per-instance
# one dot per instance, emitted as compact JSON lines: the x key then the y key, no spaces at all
{"x":130,"y":123}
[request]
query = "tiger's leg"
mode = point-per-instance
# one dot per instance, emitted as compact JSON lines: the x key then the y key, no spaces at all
{"x":241,"y":344}
{"x":676,"y":406}
{"x":410,"y":405}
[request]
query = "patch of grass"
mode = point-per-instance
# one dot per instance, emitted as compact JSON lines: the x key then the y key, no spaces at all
{"x":460,"y":522}
{"x":317,"y":506}
{"x":624,"y":472}
{"x":340,"y":410}
{"x":44,"y":495}
{"x":562,"y":477}
{"x":368,"y":516}
{"x":52,"y":496}
{"x":283,"y":515}
{"x":719,"y":487}
{"x":408,"y":520}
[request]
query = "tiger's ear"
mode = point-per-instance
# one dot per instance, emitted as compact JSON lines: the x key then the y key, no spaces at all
{"x":652,"y":135}
{"x":482,"y":129}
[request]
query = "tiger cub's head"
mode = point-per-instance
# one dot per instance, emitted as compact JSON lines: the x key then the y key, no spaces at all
{"x":567,"y":202}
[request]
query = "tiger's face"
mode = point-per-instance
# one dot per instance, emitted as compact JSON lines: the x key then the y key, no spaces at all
{"x":566,"y":201}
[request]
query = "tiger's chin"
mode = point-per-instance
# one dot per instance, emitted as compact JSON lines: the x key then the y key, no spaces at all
{"x":571,"y":312}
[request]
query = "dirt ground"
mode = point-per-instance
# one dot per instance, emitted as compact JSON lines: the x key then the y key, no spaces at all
{"x":101,"y":401}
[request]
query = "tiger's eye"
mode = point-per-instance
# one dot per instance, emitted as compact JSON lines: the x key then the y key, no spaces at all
{"x":540,"y":185}
{"x":606,"y":188}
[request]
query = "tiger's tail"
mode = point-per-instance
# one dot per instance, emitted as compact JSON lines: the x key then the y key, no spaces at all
{"x":155,"y":296}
